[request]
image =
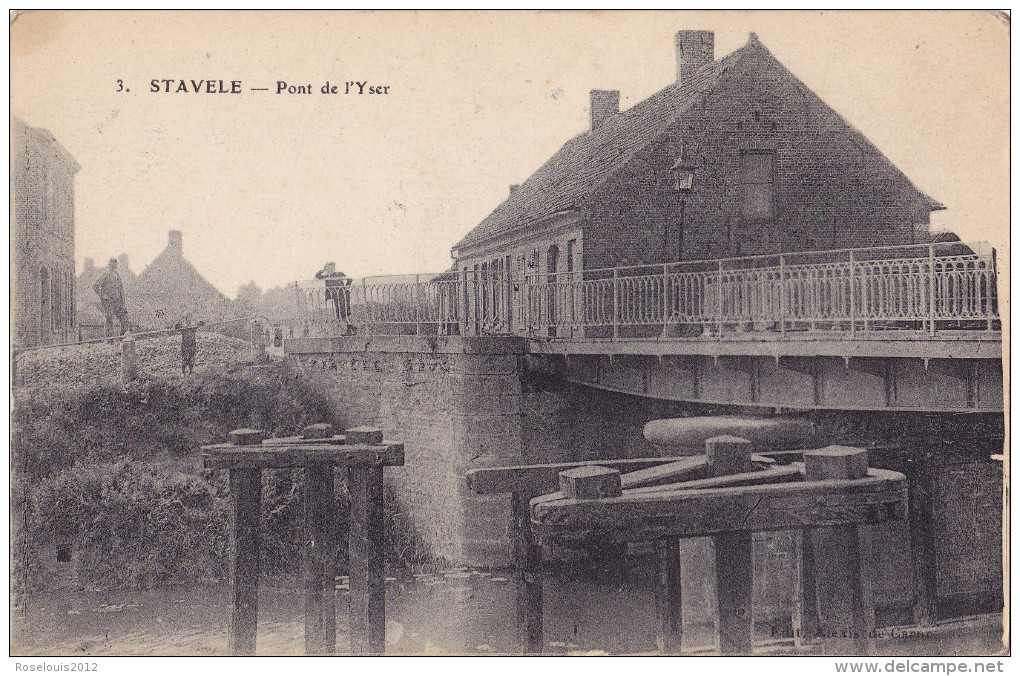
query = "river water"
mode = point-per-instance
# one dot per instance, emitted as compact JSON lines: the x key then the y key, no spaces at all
{"x":459,"y":611}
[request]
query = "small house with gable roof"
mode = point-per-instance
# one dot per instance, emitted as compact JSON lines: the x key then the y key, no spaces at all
{"x":737,"y":157}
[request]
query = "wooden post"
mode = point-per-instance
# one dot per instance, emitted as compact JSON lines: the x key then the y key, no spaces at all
{"x":805,"y":614}
{"x":368,"y":613}
{"x":246,"y":506}
{"x":842,"y":557}
{"x":320,"y":543}
{"x":527,"y":557}
{"x":734,"y":562}
{"x":128,"y":360}
{"x":667,"y":596}
{"x":922,"y":544}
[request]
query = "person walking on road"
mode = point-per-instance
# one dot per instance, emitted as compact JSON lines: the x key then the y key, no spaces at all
{"x":110,"y":290}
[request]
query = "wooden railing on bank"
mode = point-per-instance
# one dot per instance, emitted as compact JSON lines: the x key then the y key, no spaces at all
{"x":927,"y":289}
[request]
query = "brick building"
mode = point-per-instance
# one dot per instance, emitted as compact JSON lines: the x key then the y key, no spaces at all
{"x":736,"y":157}
{"x":42,"y":186}
{"x":169,"y":289}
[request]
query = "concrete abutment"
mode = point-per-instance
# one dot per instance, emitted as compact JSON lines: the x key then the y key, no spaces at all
{"x":456,"y":404}
{"x":463,"y":402}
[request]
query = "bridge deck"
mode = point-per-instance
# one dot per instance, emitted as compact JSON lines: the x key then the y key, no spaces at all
{"x":914,"y":328}
{"x":892,"y":344}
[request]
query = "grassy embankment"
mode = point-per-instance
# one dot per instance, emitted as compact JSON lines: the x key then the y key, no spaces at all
{"x":110,"y":477}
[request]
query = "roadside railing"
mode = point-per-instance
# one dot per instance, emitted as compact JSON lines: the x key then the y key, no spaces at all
{"x":929,"y":288}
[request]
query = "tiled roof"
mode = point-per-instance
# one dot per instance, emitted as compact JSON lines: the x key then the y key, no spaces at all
{"x":586,"y":161}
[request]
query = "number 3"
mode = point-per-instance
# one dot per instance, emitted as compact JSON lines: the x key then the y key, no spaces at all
{"x":120,"y":85}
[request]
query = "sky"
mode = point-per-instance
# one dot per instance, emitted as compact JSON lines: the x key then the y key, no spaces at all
{"x":267,"y":187}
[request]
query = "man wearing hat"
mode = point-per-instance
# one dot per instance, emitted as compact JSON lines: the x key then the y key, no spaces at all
{"x":111,"y":296}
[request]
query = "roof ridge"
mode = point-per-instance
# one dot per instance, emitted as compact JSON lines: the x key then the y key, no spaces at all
{"x":623,"y":132}
{"x":858,"y":135}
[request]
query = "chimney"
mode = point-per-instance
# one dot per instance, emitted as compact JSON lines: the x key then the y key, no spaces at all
{"x":90,"y":264}
{"x":604,"y":104}
{"x":514,"y":187}
{"x":693,"y":50}
{"x":174,"y":242}
{"x":122,"y":262}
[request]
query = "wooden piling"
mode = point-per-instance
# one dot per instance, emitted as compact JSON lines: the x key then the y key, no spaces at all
{"x":319,"y":569}
{"x":842,"y":558}
{"x":805,"y":612}
{"x":128,"y":360}
{"x":246,"y":506}
{"x":734,"y":555}
{"x":668,"y":605}
{"x":368,"y":613}
{"x":527,"y":557}
{"x":922,"y":544}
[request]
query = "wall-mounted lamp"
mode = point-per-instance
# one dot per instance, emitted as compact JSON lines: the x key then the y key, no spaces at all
{"x":683,"y":174}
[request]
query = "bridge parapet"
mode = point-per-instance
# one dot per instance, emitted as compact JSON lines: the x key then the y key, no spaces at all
{"x":912,"y":293}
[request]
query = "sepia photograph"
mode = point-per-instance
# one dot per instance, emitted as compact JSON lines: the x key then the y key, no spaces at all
{"x":510,"y":333}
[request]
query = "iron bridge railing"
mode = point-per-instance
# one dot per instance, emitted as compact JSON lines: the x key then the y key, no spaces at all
{"x":925,"y":288}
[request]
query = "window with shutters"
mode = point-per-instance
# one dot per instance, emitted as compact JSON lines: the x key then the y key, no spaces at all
{"x":757,"y":182}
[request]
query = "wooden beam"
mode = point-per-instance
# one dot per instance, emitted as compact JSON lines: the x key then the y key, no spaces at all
{"x":369,"y":436}
{"x":692,"y":513}
{"x":336,"y":440}
{"x":245,"y":513}
{"x":772,"y":475}
{"x":543,"y":478}
{"x":805,"y":611}
{"x":923,"y":547}
{"x":226,"y":456}
{"x":368,"y":612}
{"x":247,"y":437}
{"x":669,"y":619}
{"x":318,"y":431}
{"x":591,"y":482}
{"x":527,"y":559}
{"x":728,"y":455}
{"x":734,"y":572}
{"x":688,"y":468}
{"x":734,"y":554}
{"x":836,"y":462}
{"x":842,"y":557}
{"x":319,"y":571}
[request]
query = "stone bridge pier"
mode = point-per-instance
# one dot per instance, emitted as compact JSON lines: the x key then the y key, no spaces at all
{"x":456,"y":403}
{"x":467,"y":402}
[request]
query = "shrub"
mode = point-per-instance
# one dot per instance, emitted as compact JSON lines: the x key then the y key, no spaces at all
{"x":131,"y":523}
{"x":113,"y":471}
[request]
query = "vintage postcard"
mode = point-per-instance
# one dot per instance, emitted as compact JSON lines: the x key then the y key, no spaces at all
{"x":510,"y":333}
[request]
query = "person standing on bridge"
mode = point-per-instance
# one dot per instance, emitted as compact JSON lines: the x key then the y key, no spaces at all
{"x":338,"y":293}
{"x":110,"y":290}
